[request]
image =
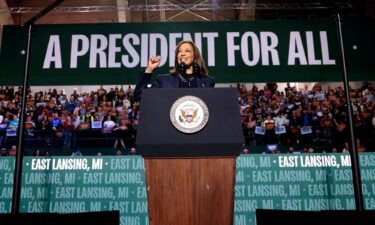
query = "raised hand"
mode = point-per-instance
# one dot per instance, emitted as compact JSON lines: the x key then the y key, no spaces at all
{"x":153,"y":63}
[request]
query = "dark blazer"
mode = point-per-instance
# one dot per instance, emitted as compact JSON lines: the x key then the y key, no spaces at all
{"x":167,"y":81}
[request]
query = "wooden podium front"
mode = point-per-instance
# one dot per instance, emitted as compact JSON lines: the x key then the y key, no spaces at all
{"x":190,"y":176}
{"x":188,"y":191}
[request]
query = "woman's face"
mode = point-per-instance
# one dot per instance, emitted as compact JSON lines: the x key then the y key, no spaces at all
{"x":185,"y":54}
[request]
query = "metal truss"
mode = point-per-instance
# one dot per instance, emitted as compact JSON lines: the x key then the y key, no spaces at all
{"x":179,"y":7}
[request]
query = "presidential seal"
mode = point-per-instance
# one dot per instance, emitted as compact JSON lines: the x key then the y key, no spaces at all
{"x":189,"y":114}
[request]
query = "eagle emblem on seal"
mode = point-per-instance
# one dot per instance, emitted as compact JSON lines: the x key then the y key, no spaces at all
{"x":188,"y":117}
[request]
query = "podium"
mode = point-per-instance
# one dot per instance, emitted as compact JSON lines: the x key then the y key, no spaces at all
{"x":190,"y":177}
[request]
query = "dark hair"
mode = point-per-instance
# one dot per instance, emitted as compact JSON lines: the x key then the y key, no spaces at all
{"x":197,"y":59}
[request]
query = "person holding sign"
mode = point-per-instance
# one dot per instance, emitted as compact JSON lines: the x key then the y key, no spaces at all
{"x":189,"y":71}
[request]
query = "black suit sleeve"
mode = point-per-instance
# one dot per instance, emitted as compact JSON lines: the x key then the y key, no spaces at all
{"x":144,"y":79}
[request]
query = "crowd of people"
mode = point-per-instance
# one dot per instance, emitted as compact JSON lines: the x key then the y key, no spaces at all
{"x":109,"y":118}
{"x":99,"y":119}
{"x":308,"y":117}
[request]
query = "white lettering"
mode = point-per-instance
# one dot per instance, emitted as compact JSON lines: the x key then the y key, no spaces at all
{"x":325,"y":49}
{"x":231,"y":47}
{"x":172,"y":45}
{"x":53,"y":53}
{"x":210,"y":47}
{"x":154,"y":39}
{"x":112,"y":50}
{"x":311,"y":50}
{"x":98,"y":45}
{"x":75,"y":51}
{"x":296,"y":50}
{"x":132,"y":52}
{"x":269,"y":48}
{"x":144,"y":50}
{"x":245,"y":48}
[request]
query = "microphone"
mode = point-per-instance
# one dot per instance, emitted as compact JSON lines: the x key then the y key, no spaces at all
{"x":182,"y":67}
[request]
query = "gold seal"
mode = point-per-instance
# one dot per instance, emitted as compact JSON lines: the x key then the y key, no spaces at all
{"x":189,"y":114}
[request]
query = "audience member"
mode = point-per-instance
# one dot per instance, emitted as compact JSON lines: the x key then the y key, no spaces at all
{"x":13,"y":150}
{"x":118,"y":151}
{"x":4,"y":152}
{"x":133,"y":151}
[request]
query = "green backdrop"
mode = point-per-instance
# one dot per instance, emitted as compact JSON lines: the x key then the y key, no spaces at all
{"x":234,"y":51}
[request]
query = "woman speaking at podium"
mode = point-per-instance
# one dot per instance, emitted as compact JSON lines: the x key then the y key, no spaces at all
{"x":189,"y":71}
